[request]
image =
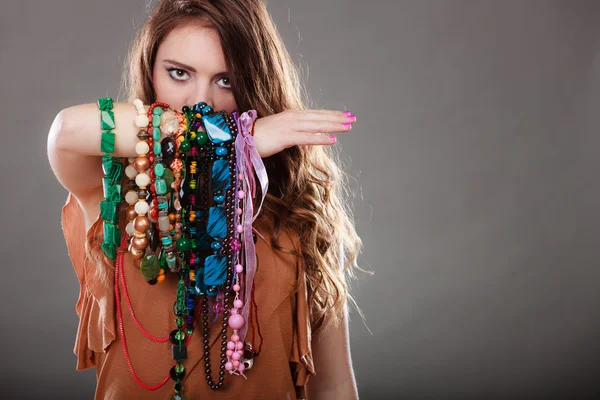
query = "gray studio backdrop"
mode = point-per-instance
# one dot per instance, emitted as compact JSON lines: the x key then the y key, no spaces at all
{"x":476,"y":155}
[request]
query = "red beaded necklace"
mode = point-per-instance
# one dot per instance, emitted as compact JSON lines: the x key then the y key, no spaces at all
{"x":119,"y":270}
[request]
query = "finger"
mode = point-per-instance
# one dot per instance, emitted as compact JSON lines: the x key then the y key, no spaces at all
{"x":306,"y":139}
{"x":327,"y":115}
{"x":322,"y":126}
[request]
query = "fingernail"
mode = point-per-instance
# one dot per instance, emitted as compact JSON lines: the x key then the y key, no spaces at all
{"x":347,"y":125}
{"x":348,"y":112}
{"x":333,"y":139}
{"x":351,"y":116}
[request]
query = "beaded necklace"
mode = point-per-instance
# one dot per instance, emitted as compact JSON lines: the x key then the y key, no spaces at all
{"x":190,"y":192}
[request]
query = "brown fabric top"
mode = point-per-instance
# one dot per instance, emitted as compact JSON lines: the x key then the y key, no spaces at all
{"x":281,"y":371}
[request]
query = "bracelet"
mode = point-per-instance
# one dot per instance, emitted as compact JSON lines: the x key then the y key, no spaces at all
{"x":113,"y":173}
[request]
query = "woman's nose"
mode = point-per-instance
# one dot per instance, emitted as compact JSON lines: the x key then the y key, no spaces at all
{"x":201,"y":94}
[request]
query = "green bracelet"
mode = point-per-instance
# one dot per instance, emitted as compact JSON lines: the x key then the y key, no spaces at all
{"x":113,"y":173}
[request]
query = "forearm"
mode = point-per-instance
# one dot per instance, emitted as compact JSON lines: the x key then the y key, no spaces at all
{"x":74,"y":145}
{"x":80,"y":132}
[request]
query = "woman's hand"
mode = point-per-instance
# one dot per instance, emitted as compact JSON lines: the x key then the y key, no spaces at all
{"x":299,"y":127}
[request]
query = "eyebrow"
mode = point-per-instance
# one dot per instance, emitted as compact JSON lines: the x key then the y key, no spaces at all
{"x":190,"y":68}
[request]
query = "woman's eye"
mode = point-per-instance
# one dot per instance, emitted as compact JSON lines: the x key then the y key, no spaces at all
{"x":178,"y":74}
{"x":225,"y":83}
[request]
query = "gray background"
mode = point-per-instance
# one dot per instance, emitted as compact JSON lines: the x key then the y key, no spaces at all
{"x":476,"y":155}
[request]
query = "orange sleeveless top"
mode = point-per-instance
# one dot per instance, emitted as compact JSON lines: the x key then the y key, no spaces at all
{"x":281,"y":371}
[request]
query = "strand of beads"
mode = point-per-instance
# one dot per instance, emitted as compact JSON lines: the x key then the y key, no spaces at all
{"x":199,"y":153}
{"x":235,"y":346}
{"x":113,"y":171}
{"x":159,"y":188}
{"x":185,"y":233}
{"x":131,"y":196}
{"x":140,"y":223}
{"x":185,"y":302}
{"x":218,"y":266}
{"x":120,"y":276}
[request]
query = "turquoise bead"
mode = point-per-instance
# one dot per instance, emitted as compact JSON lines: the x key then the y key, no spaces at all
{"x":156,"y":134}
{"x":171,"y":262}
{"x":166,"y":240}
{"x":219,"y":199}
{"x":216,"y":245}
{"x":159,"y":170}
{"x":161,"y":186}
{"x":156,"y":120}
{"x":157,"y":111}
{"x":157,"y":148}
{"x":221,"y":151}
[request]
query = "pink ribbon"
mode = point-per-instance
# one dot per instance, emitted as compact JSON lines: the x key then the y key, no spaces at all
{"x":248,"y":161}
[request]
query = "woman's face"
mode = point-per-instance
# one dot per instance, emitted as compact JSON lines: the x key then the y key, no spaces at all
{"x":190,"y":67}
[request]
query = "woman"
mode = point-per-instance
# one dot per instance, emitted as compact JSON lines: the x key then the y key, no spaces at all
{"x":228,"y":54}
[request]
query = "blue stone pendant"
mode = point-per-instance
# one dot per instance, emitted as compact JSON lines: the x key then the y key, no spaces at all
{"x":216,"y":128}
{"x":215,"y":270}
{"x":217,"y":223}
{"x":220,"y":175}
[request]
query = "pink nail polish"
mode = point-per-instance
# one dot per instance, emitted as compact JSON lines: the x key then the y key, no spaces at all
{"x":347,"y":125}
{"x":333,"y":139}
{"x":348,"y":112}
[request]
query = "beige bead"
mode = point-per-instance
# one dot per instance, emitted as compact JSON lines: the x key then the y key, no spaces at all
{"x":141,"y":207}
{"x":142,"y":121}
{"x":130,"y":171}
{"x":163,"y":223}
{"x":142,"y":148}
{"x":131,"y":197}
{"x":139,"y":106}
{"x":142,"y":180}
{"x":129,"y":228}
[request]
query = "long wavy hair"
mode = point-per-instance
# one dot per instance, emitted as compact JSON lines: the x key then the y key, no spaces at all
{"x":307,"y":187}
